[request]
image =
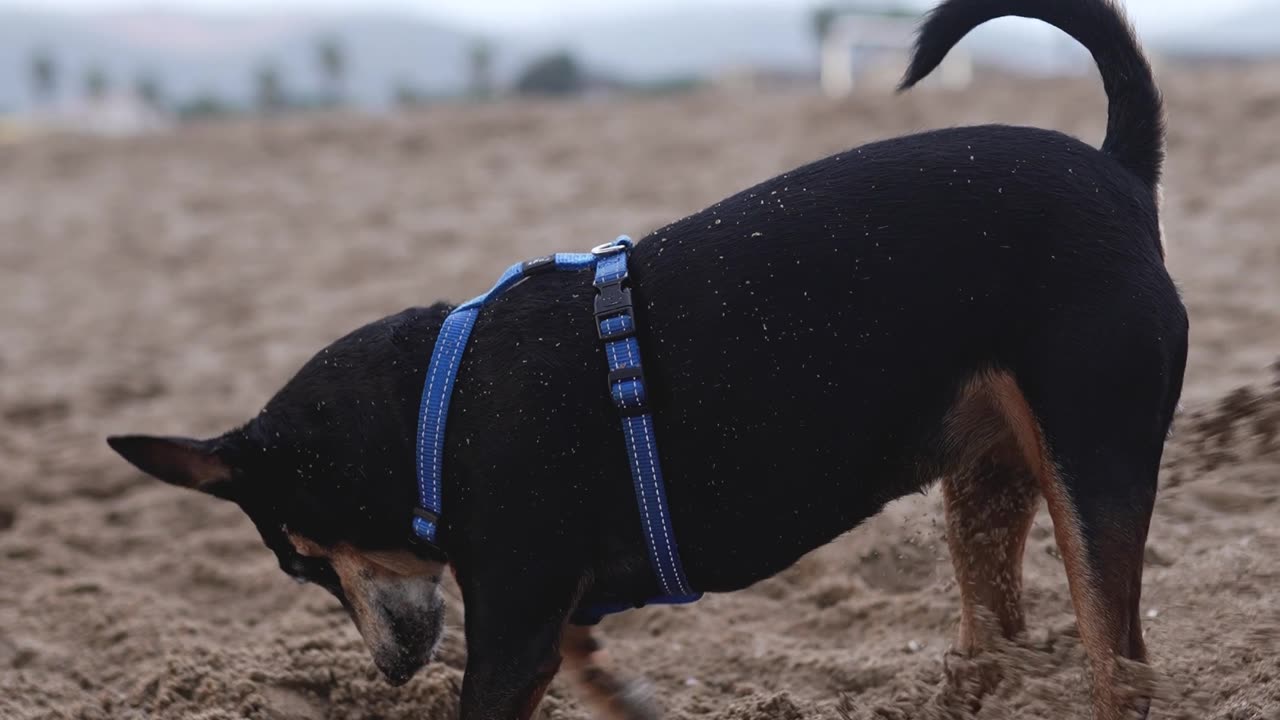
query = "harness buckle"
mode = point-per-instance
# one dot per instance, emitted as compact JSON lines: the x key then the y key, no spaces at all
{"x":629,"y":407}
{"x":417,"y":540}
{"x":612,"y":299}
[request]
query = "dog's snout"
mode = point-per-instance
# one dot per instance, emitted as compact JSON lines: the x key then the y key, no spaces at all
{"x":411,"y":637}
{"x":401,"y":619}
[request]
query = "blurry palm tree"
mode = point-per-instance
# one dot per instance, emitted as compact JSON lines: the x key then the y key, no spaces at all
{"x":332,"y":61}
{"x":822,"y":19}
{"x":824,"y":16}
{"x":268,"y":88}
{"x":557,"y":73}
{"x":202,"y":107}
{"x":95,"y":83}
{"x":147,"y":87}
{"x":480,"y":66}
{"x":44,"y":76}
{"x":405,"y":95}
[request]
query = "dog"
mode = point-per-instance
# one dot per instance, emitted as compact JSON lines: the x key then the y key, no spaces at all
{"x":985,"y":307}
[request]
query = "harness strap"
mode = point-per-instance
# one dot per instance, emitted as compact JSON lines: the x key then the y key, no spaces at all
{"x":442,"y":373}
{"x":616,"y":326}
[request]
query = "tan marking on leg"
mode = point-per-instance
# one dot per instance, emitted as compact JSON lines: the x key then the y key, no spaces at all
{"x":972,"y":437}
{"x":1093,"y":617}
{"x":990,"y":415}
{"x":610,"y":696}
{"x":1017,"y":413}
{"x":990,"y":494}
{"x":989,"y":512}
{"x":1096,"y":621}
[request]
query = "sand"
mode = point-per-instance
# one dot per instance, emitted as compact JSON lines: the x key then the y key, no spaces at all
{"x":169,"y":284}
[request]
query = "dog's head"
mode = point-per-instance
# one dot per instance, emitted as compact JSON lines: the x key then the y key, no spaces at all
{"x":326,"y":474}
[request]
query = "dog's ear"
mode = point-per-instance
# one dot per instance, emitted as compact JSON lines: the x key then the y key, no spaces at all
{"x":185,"y":462}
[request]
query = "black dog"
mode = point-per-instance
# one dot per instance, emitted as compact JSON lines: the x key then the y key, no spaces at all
{"x":984,"y":305}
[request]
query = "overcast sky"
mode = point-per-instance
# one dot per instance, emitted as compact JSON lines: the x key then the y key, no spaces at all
{"x":1149,"y":15}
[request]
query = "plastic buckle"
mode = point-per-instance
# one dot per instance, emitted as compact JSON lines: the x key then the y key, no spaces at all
{"x":613,"y":299}
{"x":641,"y":404}
{"x":422,"y":543}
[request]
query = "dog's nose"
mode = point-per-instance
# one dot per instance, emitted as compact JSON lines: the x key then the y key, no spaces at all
{"x":398,"y":671}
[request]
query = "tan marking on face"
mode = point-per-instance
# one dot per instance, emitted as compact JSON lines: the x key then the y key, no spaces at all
{"x":306,"y":546}
{"x":397,"y":562}
{"x":379,"y":586}
{"x":403,"y":562}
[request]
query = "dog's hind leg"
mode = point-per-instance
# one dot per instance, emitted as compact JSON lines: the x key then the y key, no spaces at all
{"x":1103,"y":431}
{"x":989,"y":509}
{"x":611,"y":696}
{"x":991,"y":495}
{"x":1101,"y":502}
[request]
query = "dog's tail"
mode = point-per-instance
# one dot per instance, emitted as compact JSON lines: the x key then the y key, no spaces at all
{"x":1135,"y":115}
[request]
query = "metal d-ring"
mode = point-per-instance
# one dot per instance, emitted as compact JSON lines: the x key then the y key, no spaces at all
{"x":622,"y":244}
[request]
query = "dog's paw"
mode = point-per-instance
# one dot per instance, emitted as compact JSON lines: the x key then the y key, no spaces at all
{"x":968,"y":680}
{"x":615,"y":698}
{"x":636,"y":701}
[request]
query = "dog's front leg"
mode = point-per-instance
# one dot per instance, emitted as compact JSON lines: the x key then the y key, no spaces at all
{"x":508,"y":671}
{"x":513,"y":641}
{"x":497,"y":690}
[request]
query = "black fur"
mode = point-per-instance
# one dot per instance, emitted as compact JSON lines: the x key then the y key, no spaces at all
{"x":803,"y":340}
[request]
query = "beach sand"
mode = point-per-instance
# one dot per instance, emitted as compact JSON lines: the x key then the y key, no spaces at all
{"x":171,"y":283}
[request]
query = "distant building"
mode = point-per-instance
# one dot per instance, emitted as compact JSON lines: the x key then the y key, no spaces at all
{"x":871,"y":47}
{"x":115,"y":114}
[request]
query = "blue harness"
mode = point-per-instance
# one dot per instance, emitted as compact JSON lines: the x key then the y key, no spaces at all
{"x":616,"y":326}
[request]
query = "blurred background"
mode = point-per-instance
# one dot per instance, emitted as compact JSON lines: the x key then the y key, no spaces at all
{"x":117,"y":66}
{"x":196,"y":196}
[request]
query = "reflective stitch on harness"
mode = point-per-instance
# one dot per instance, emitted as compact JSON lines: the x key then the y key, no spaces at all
{"x":616,"y":322}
